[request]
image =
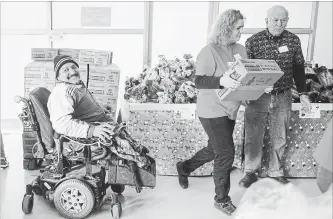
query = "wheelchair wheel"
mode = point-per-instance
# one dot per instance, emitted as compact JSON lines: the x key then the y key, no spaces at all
{"x":74,"y":199}
{"x":116,"y":210}
{"x":27,"y":203}
{"x":117,"y":188}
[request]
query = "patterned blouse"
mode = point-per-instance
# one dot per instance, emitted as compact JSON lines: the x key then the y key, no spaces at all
{"x":286,"y":51}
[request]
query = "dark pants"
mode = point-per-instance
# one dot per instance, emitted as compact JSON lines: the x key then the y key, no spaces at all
{"x":266,"y":128}
{"x":2,"y":150}
{"x":221,"y":149}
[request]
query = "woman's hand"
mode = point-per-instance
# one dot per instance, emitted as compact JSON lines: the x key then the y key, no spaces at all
{"x":228,"y":82}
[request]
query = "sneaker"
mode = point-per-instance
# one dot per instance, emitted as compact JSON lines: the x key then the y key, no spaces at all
{"x":4,"y":163}
{"x":225,"y":207}
{"x":248,"y":179}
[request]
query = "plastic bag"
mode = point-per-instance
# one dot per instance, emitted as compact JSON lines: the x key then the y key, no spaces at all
{"x":324,"y":76}
{"x":268,"y":198}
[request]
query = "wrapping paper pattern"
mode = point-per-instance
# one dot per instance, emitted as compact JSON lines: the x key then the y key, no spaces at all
{"x":303,"y":139}
{"x":171,"y":138}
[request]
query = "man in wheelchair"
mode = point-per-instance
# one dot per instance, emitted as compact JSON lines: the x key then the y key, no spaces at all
{"x":75,"y":113}
{"x":87,"y":148}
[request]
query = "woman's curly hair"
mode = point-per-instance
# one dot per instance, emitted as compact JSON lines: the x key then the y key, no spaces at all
{"x":223,"y":26}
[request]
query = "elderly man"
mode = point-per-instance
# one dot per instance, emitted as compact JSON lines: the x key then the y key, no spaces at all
{"x":267,"y":119}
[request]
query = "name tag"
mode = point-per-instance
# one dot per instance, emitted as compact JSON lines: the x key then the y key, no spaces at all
{"x":237,"y":56}
{"x":283,"y":49}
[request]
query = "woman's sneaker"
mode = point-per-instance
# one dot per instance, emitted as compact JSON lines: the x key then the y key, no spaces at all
{"x":4,"y":163}
{"x":225,"y":207}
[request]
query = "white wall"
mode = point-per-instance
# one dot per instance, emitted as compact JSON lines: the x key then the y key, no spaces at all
{"x":323,"y":43}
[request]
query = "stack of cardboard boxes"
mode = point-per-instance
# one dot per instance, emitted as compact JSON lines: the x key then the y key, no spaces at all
{"x":40,"y":73}
{"x":103,"y":83}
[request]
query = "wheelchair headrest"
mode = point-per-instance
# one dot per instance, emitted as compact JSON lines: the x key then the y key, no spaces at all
{"x":39,"y":98}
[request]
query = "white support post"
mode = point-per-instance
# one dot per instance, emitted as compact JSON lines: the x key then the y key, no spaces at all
{"x":147,"y":33}
{"x":313,"y":26}
{"x":213,"y":13}
{"x":49,"y":19}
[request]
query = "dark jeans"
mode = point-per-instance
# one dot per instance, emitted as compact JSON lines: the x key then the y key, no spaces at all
{"x":221,"y":149}
{"x":266,"y":127}
{"x":2,"y":150}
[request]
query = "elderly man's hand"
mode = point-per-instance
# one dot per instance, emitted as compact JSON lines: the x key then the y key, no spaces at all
{"x":269,"y":89}
{"x":103,"y":131}
{"x":305,"y":103}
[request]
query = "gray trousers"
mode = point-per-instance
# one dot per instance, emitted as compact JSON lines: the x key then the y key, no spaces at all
{"x":266,"y":128}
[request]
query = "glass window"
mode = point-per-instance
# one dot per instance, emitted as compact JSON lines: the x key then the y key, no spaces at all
{"x":255,"y":12}
{"x":15,"y":55}
{"x":127,"y":50}
{"x":303,"y":37}
{"x":24,"y":15}
{"x":178,"y":28}
{"x":124,"y":15}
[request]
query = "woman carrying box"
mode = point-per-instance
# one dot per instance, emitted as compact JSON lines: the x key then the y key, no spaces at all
{"x":217,"y":117}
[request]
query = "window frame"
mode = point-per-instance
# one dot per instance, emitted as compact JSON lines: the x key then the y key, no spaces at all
{"x":148,"y":29}
{"x":310,"y":31}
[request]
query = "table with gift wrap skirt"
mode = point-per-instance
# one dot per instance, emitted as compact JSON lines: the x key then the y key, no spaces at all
{"x":303,"y":137}
{"x":173,"y":133}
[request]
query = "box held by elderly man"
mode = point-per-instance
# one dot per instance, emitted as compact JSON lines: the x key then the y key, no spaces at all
{"x":255,"y":75}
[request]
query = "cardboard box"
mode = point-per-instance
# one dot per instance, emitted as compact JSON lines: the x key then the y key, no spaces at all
{"x":255,"y":74}
{"x":83,"y":69}
{"x":29,"y":85}
{"x":107,"y":74}
{"x":100,"y":88}
{"x":43,"y":54}
{"x":106,"y":100}
{"x":39,"y":71}
{"x":97,"y":57}
{"x":74,"y":53}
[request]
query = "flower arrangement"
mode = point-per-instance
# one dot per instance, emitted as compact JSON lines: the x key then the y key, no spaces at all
{"x":170,"y":81}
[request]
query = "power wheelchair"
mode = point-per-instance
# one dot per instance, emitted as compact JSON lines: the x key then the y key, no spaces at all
{"x":78,"y":176}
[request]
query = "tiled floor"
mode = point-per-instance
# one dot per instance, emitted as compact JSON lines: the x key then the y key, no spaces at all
{"x":166,"y":201}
